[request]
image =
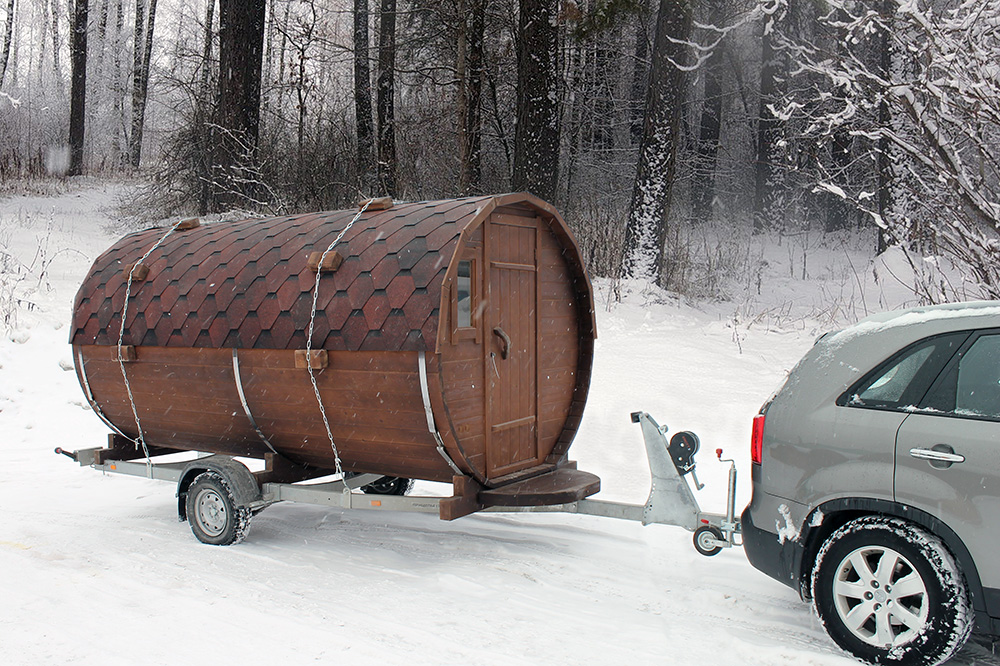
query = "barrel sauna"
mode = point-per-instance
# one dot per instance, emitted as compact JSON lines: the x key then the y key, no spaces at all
{"x":450,"y":339}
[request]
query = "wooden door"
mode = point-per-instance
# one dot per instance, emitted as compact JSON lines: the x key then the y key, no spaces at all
{"x":511,"y":344}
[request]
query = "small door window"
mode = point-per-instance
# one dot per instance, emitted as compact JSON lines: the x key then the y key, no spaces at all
{"x":464,"y":302}
{"x":463,"y":293}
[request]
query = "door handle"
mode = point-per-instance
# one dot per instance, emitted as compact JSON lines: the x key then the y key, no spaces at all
{"x":505,"y":340}
{"x":943,"y":455}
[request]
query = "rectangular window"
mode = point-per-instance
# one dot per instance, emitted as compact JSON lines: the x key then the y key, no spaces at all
{"x":463,"y":288}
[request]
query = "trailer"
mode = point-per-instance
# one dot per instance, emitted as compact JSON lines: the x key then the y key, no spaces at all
{"x":218,"y":495}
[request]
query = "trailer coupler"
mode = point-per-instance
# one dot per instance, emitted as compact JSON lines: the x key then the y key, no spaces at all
{"x":671,"y":500}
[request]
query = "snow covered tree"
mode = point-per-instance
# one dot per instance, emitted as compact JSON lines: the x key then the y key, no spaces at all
{"x":646,"y":232}
{"x":935,"y":109}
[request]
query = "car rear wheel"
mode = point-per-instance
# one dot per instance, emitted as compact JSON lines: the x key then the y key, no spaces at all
{"x":889,"y":592}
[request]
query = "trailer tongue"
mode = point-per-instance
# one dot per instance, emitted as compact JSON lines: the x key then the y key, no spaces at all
{"x":218,"y":494}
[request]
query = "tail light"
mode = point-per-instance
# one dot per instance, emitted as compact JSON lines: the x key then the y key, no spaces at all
{"x":757,"y":439}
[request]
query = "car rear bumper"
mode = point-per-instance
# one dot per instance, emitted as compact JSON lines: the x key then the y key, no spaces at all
{"x":781,"y":560}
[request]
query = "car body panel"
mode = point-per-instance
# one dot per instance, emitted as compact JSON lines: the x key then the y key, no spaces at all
{"x":854,"y":459}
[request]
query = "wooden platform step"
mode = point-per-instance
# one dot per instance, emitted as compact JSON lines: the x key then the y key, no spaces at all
{"x":561,"y":486}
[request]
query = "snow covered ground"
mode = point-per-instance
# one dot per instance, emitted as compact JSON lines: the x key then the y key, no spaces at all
{"x":96,"y":569}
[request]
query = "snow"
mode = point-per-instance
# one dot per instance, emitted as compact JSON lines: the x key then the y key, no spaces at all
{"x":97,"y":570}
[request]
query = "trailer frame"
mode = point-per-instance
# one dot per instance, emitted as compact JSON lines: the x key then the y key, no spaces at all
{"x":671,"y":500}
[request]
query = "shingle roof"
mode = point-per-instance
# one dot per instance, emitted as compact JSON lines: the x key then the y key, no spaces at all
{"x":246,"y":284}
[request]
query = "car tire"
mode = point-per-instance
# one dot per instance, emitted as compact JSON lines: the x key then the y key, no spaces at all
{"x":889,"y":592}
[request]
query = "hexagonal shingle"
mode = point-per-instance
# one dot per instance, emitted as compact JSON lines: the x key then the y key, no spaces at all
{"x":250,"y":276}
{"x":376,"y":310}
{"x":400,"y":290}
{"x":360,"y":291}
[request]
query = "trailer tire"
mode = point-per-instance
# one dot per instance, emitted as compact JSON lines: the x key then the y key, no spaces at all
{"x":389,"y":485}
{"x":212,"y":511}
{"x":704,"y":537}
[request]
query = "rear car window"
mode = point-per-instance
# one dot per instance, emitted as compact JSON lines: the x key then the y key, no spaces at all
{"x":970,"y":386}
{"x":900,"y":382}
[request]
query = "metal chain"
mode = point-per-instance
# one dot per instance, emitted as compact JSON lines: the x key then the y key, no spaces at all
{"x":140,"y":440}
{"x":312,"y":322}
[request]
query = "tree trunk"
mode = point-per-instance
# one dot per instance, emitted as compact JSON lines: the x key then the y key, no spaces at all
{"x":646,"y":232}
{"x":118,"y":85}
{"x":386,"y":91}
{"x":885,"y":176}
{"x":78,"y":89}
{"x":204,"y":109}
{"x":9,"y":33}
{"x":768,"y":132}
{"x":237,"y":118}
{"x":536,"y":137}
{"x":711,"y":125}
{"x":363,"y":99}
{"x":56,"y":65}
{"x":640,"y":76}
{"x":140,"y":83}
{"x":472,"y":171}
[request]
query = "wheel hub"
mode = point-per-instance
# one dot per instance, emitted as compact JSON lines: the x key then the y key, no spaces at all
{"x":211,"y":514}
{"x":880,"y":596}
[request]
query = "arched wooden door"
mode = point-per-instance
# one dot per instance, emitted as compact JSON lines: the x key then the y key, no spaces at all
{"x":511,"y":344}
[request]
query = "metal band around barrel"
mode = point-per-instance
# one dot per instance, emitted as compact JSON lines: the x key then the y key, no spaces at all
{"x":243,"y":399}
{"x":90,"y":396}
{"x":425,"y":393}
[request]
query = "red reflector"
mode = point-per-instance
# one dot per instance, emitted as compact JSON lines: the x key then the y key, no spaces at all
{"x":757,"y":439}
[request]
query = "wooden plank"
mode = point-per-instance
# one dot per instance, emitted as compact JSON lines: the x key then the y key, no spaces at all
{"x":464,"y":499}
{"x":312,"y":358}
{"x":561,"y":486}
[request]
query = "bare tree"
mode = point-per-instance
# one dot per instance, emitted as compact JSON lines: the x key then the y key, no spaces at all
{"x":766,"y":172}
{"x":711,"y":116}
{"x":536,"y":136}
{"x":363,"y":97}
{"x":385,"y":98}
{"x":469,"y":68}
{"x":143,"y":49}
{"x":78,"y":92}
{"x":236,"y":130}
{"x":646,"y":232}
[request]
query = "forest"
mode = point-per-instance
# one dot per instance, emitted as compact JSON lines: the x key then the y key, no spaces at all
{"x":668,"y":132}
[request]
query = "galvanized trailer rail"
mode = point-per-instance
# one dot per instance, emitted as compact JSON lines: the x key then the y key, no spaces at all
{"x":671,"y":500}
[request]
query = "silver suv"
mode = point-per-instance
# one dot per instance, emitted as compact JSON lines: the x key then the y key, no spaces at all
{"x":876,"y":482}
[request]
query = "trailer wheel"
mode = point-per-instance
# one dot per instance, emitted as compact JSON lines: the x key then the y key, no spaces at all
{"x":212,"y":512}
{"x":705,"y":538}
{"x":389,"y":485}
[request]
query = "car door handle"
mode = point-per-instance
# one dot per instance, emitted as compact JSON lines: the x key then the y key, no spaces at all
{"x":939,"y":454}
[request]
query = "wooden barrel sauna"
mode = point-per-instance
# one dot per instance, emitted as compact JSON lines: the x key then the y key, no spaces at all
{"x":450,"y":338}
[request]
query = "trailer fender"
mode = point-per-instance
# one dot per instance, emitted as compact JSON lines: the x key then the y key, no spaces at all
{"x":241,"y":481}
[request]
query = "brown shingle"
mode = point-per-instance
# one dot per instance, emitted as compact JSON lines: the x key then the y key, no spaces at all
{"x":246,"y":283}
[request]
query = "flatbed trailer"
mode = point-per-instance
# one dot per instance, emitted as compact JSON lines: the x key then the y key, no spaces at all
{"x":218,"y":495}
